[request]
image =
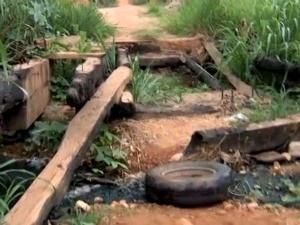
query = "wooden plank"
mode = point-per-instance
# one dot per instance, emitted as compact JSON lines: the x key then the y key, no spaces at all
{"x":88,"y":76}
{"x":254,"y":138}
{"x":239,"y":85}
{"x":75,"y":55}
{"x":192,"y":46}
{"x":49,"y":187}
{"x":35,"y":79}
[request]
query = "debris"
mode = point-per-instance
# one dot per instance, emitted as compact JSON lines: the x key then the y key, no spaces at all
{"x":82,"y":205}
{"x":239,"y":117}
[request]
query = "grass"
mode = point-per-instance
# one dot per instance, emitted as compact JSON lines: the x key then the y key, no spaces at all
{"x":148,"y":88}
{"x":248,"y":29}
{"x":22,"y":21}
{"x":155,"y":9}
{"x":152,"y":33}
{"x":11,"y":189}
{"x":280,"y":106}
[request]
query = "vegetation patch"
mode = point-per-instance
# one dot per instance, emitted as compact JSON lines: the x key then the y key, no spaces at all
{"x":150,"y":88}
{"x":23,"y":21}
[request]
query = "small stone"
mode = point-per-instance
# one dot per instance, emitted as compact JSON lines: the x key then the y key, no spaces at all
{"x":82,"y":205}
{"x":124,"y":204}
{"x":252,"y":206}
{"x":176,"y":157}
{"x":98,"y":199}
{"x":228,"y":205}
{"x":114,"y":204}
{"x":243,"y":172}
{"x":132,"y":206}
{"x":256,"y":186}
{"x":183,"y":221}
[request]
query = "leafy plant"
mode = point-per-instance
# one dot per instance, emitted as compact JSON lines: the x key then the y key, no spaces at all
{"x":63,"y":72}
{"x":46,"y":135}
{"x":294,"y":196}
{"x":147,"y":88}
{"x":23,"y":21}
{"x":105,"y":152}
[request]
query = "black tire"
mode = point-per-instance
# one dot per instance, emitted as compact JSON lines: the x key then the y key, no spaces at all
{"x":186,"y":189}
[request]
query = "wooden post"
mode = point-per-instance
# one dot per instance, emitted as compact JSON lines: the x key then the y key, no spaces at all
{"x":35,"y":79}
{"x":49,"y":187}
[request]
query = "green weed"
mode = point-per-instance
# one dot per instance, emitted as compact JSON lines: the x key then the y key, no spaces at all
{"x":155,"y":9}
{"x":281,"y":105}
{"x":12,"y":189}
{"x":46,"y":135}
{"x":105,"y":152}
{"x":63,"y":72}
{"x":148,"y":33}
{"x":148,"y":88}
{"x":292,"y":198}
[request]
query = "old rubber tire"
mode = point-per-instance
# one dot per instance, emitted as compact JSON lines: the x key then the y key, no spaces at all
{"x":189,"y":183}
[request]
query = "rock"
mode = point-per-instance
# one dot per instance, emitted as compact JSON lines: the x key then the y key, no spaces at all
{"x":82,"y":205}
{"x":183,"y":221}
{"x":176,"y":157}
{"x":98,"y":200}
{"x":294,"y":149}
{"x":268,"y":157}
{"x":252,"y":206}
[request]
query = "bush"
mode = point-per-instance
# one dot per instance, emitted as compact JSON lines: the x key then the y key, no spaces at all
{"x":248,"y":29}
{"x":22,"y":21}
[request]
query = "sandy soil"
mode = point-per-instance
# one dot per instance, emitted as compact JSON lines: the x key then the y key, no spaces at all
{"x":129,"y":19}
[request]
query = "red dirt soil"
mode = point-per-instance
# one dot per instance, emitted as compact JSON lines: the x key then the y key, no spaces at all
{"x":232,"y":214}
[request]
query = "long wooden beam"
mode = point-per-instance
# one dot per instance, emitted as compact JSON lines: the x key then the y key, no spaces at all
{"x":239,"y":85}
{"x":49,"y":187}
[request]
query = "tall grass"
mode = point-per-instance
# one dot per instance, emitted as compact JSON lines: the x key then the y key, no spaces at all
{"x":11,"y":190}
{"x":248,"y":29}
{"x":22,"y":21}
